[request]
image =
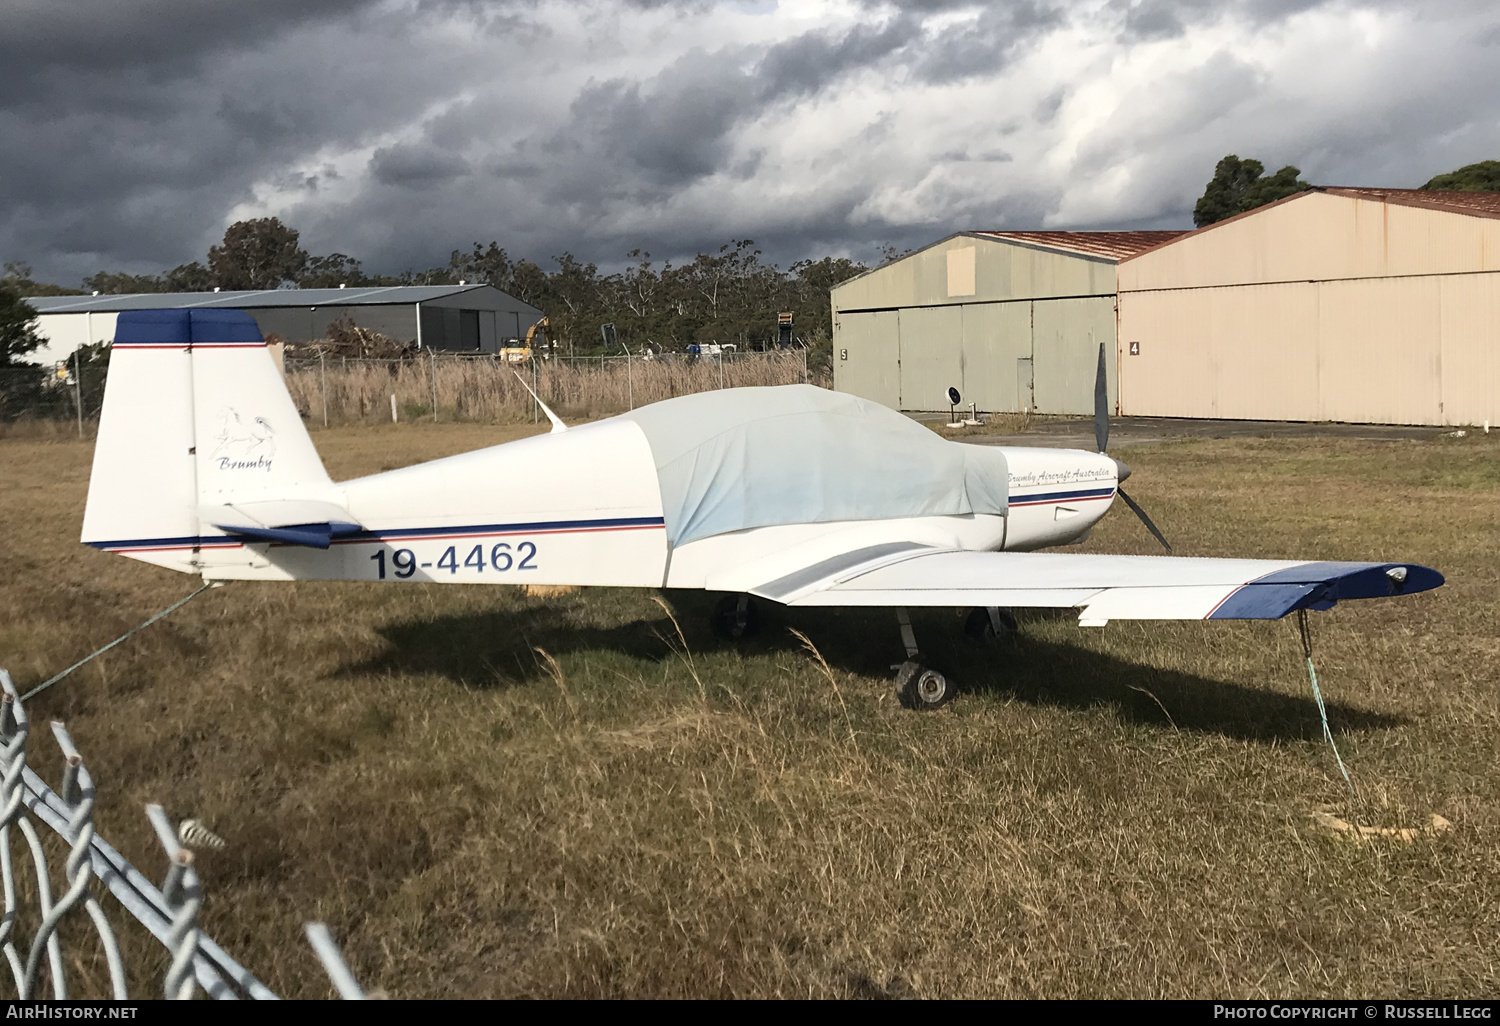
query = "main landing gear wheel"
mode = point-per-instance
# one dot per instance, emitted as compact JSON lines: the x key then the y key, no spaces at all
{"x":987,"y":624}
{"x":736,"y":618}
{"x":921,"y":687}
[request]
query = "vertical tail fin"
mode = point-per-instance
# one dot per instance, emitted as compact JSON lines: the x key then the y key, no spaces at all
{"x":197,"y":431}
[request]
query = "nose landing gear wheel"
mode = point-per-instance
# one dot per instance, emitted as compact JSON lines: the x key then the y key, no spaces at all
{"x":921,"y":687}
{"x":736,"y":618}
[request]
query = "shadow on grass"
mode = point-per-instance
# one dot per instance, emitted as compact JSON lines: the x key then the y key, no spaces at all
{"x":497,"y":649}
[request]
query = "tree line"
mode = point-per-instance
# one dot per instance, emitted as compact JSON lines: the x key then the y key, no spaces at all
{"x":1242,"y":185}
{"x":729,"y":295}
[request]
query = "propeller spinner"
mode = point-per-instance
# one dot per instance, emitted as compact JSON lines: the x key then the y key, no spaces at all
{"x":1101,"y":437}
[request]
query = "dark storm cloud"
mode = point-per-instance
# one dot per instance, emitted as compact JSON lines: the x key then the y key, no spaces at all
{"x":650,"y":138}
{"x":415,"y":166}
{"x":131,"y":129}
{"x":43,"y":39}
{"x":985,"y":45}
{"x":396,"y":130}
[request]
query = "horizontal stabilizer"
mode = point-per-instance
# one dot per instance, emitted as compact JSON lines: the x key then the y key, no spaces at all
{"x":274,"y":513}
{"x":313,"y":536}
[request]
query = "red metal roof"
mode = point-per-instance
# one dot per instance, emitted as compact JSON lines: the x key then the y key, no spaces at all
{"x":1113,"y":245}
{"x":1475,"y":204}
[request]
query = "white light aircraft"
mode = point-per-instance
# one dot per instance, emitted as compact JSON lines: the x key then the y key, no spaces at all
{"x":793,"y":495}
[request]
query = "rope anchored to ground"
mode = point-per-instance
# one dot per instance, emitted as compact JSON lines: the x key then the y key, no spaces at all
{"x":1312,"y":674}
{"x":44,"y":685}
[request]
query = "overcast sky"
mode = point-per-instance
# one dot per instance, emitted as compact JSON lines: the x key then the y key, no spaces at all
{"x":132,"y":132}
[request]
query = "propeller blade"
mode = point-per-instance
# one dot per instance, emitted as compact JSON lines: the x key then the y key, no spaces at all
{"x":1134,"y":508}
{"x":1101,"y":405}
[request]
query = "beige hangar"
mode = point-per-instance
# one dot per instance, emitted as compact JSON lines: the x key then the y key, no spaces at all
{"x":1013,"y":320}
{"x":1359,"y":305}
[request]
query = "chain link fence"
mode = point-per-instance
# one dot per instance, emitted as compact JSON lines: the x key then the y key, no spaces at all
{"x":68,"y":392}
{"x":169,"y":911}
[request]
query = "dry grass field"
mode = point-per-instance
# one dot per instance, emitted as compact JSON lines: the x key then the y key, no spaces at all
{"x":486,"y":391}
{"x":491,"y":795}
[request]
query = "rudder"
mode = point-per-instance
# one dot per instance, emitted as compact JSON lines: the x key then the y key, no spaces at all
{"x":196,"y":425}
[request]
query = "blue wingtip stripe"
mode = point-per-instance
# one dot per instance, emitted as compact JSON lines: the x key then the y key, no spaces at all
{"x":1321,"y":586}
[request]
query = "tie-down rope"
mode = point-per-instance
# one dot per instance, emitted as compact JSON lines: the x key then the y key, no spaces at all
{"x":175,"y":605}
{"x":1306,"y":633}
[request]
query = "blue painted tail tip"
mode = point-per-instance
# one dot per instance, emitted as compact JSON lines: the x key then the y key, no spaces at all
{"x":184,"y":327}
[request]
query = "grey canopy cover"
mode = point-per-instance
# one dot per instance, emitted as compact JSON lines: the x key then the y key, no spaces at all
{"x":793,"y":454}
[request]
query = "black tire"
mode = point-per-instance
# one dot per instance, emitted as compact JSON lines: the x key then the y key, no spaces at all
{"x":732,"y":624}
{"x":980,"y":627}
{"x":923,"y":688}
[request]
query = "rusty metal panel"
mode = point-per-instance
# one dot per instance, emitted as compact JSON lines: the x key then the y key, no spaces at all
{"x":1066,"y":334}
{"x":931,"y":356}
{"x":866,"y":356}
{"x":1114,"y":245}
{"x":995,"y":335}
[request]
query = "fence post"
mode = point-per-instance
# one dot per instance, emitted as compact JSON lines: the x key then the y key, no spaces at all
{"x":323,"y":370}
{"x":433,"y":353}
{"x":78,"y":389}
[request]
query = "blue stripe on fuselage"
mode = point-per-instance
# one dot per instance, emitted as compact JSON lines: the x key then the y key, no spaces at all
{"x":603,"y":524}
{"x":1045,"y":497}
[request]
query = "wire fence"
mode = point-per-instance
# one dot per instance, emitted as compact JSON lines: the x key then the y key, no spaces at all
{"x":169,"y":911}
{"x":64,"y":393}
{"x":332,"y":390}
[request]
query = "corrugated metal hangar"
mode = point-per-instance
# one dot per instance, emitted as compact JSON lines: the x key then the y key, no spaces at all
{"x":1360,"y":305}
{"x":1013,"y":320}
{"x":461,"y":317}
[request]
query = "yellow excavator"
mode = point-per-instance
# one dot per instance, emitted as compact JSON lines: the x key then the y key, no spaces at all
{"x":536,"y":337}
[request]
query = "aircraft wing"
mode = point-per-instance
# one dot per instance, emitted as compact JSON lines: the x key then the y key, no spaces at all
{"x":1101,"y":587}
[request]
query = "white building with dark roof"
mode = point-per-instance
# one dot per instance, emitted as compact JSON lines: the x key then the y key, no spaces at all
{"x":473,"y":318}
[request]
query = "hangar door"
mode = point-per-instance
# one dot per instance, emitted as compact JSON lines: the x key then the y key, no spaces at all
{"x":932,"y":358}
{"x":997,"y":343}
{"x":1066,"y":335}
{"x":867,"y":363}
